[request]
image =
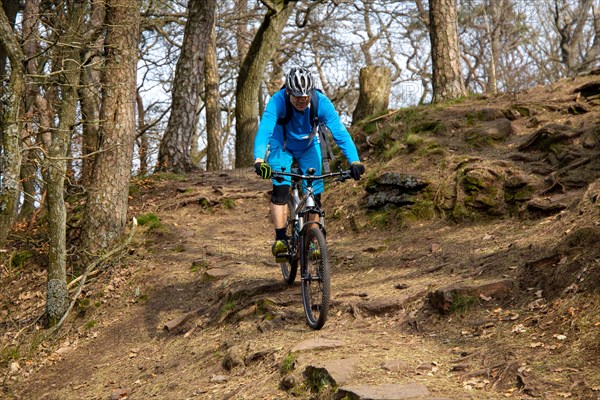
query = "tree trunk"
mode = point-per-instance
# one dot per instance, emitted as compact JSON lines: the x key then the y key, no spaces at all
{"x":572,"y":36}
{"x":90,"y":92}
{"x":375,"y":84}
{"x":57,"y":300}
{"x":90,"y":102}
{"x":10,"y":153}
{"x":28,"y":179}
{"x":174,"y":151}
{"x":214,"y":151}
{"x":142,"y":139}
{"x":11,"y":7}
{"x":36,"y":106}
{"x":492,"y":32}
{"x":260,"y":53}
{"x":106,"y":212}
{"x":447,"y":79}
{"x":241,"y":29}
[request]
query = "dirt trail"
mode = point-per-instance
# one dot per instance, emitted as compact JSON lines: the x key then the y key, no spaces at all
{"x":503,"y":305}
{"x":211,"y":249}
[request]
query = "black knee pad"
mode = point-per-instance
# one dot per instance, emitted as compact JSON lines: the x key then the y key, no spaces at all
{"x":280,"y":194}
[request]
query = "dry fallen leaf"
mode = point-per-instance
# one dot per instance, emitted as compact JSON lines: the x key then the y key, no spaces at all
{"x":484,"y":297}
{"x":563,"y":394}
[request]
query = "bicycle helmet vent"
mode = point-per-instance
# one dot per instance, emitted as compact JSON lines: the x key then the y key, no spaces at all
{"x":299,"y":82}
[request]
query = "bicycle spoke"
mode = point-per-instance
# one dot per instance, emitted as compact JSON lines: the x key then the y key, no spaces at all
{"x":315,"y":279}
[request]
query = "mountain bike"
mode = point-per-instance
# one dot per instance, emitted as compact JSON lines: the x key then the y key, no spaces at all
{"x":307,"y":244}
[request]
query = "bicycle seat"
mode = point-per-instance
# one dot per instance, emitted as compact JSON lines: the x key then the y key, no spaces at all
{"x":311,"y":171}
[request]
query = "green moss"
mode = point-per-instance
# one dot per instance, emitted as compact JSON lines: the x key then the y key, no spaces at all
{"x":472,"y":183}
{"x":198,"y":265}
{"x":288,"y":364}
{"x":142,"y":298}
{"x":204,"y":203}
{"x":478,"y":141}
{"x":461,"y":213}
{"x":134,"y":190}
{"x":90,"y":324}
{"x":264,"y":306}
{"x":523,"y":111}
{"x":20,"y":258}
{"x":168,"y":176}
{"x":522,"y":194}
{"x":428,"y":126}
{"x":380,"y":219}
{"x":421,"y":210}
{"x":413,"y":142}
{"x":392,"y":151}
{"x":410,"y":115}
{"x":228,"y":203}
{"x":228,"y":307}
{"x":317,"y":380}
{"x":462,"y":303}
{"x":151,"y":221}
{"x":9,"y":354}
{"x":180,"y":248}
{"x":82,"y":305}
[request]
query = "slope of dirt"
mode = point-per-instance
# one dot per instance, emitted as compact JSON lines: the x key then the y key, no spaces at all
{"x":501,"y":300}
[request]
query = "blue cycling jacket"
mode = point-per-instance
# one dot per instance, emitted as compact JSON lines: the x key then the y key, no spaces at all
{"x":299,"y":128}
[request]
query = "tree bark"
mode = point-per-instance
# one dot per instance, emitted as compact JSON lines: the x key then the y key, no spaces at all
{"x":90,"y":101}
{"x":447,"y":79}
{"x":57,"y":300}
{"x":241,"y":29}
{"x":174,"y":151}
{"x":11,"y":7}
{"x":142,"y":140}
{"x":214,"y":151}
{"x":106,"y":211}
{"x":90,"y":92}
{"x":260,"y":53}
{"x":36,"y":106}
{"x":10,"y":153}
{"x":375,"y":85}
{"x":571,"y":35}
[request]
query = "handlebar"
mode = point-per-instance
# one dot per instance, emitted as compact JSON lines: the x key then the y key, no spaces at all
{"x":342,"y":175}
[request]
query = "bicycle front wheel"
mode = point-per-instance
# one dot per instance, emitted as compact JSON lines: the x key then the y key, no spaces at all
{"x":315,"y":278}
{"x":290,"y":267}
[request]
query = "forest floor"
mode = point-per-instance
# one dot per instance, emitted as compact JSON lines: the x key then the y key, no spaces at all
{"x":520,"y":327}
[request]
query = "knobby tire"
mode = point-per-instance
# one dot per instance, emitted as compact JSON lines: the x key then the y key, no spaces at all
{"x":315,"y":279}
{"x":289,"y":269}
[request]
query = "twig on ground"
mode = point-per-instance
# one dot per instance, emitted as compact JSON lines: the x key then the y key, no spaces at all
{"x":87,"y":271}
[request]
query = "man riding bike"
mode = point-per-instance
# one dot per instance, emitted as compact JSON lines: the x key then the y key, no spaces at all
{"x":287,"y":139}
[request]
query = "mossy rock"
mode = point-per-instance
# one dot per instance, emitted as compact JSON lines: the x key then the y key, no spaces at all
{"x":490,"y":132}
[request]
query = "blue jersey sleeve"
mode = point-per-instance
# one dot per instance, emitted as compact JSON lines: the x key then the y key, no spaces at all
{"x":275,"y":109}
{"x":329,"y":116}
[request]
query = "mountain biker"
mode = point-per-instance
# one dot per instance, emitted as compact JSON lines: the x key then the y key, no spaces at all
{"x":293,"y":141}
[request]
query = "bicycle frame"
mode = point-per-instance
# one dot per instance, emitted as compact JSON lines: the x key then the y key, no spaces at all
{"x":308,"y":246}
{"x":306,"y":204}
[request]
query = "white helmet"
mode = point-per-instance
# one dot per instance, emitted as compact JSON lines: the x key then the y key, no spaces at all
{"x":299,"y":82}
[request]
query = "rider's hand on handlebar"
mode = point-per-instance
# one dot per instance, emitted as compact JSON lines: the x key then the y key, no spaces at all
{"x":263,"y":169}
{"x":356,"y":170}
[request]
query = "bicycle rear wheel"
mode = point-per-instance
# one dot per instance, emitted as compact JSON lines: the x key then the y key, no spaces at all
{"x":315,"y":278}
{"x":289,"y":269}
